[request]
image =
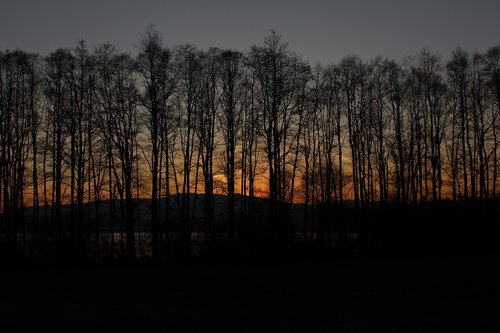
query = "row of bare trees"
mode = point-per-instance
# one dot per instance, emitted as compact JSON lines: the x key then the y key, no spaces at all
{"x":86,"y":135}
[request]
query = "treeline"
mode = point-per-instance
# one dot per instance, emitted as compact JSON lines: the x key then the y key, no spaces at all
{"x":84,"y":130}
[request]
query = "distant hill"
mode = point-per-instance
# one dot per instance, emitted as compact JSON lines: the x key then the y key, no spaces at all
{"x":143,"y":211}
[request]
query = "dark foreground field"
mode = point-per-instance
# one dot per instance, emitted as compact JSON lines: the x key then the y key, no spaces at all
{"x":415,"y":294}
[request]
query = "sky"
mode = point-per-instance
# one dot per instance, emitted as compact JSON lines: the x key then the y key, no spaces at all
{"x":319,"y":31}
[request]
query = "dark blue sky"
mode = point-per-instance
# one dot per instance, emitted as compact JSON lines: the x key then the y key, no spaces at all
{"x":321,"y":31}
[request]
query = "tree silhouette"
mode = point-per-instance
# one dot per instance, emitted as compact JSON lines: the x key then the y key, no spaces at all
{"x":106,"y":155}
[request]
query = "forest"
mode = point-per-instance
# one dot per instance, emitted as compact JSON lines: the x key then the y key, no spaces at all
{"x":176,"y":151}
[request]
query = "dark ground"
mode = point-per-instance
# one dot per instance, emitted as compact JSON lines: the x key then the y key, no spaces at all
{"x":415,"y":294}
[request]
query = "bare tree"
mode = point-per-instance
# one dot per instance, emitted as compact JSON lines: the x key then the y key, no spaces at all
{"x":458,"y":72}
{"x":279,"y":74}
{"x":58,"y":93}
{"x":209,"y":100}
{"x":189,"y":66}
{"x":232,"y":87}
{"x":120,"y":127}
{"x":154,"y":65}
{"x":493,"y":74}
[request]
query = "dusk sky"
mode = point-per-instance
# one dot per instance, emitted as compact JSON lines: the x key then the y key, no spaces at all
{"x":319,"y":31}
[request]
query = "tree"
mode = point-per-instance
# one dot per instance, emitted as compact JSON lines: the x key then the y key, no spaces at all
{"x":208,"y":109}
{"x":119,"y":98}
{"x":279,"y":75}
{"x":59,"y":65}
{"x":154,"y":65}
{"x":458,"y":72}
{"x":232,"y":95}
{"x":189,"y":72}
{"x":493,"y":82}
